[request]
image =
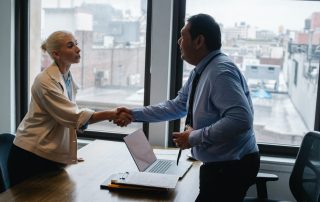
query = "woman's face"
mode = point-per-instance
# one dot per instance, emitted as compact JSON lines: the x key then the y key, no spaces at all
{"x":69,"y":52}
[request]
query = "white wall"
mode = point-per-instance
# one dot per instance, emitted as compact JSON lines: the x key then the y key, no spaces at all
{"x":160,"y":64}
{"x":35,"y":41}
{"x":7,"y":111}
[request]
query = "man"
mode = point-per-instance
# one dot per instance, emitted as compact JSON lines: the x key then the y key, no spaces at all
{"x":221,"y":117}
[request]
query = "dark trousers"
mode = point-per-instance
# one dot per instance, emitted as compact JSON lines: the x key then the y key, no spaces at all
{"x":228,"y":181}
{"x":23,"y":164}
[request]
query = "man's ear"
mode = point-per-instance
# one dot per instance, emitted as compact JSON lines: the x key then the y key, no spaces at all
{"x":200,"y":41}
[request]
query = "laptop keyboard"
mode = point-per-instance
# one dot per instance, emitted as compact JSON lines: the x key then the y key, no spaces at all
{"x":161,"y":166}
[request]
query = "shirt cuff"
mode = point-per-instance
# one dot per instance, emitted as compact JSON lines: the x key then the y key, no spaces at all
{"x":85,"y":115}
{"x":137,"y":114}
{"x":195,"y":137}
{"x":85,"y":126}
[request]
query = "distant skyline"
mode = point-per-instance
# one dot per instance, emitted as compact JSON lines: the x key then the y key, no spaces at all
{"x":267,"y":14}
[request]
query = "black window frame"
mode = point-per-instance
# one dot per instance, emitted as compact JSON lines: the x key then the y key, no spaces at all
{"x":21,"y":44}
{"x":21,"y":57}
{"x":265,"y":149}
{"x":119,"y":136}
{"x":22,"y":33}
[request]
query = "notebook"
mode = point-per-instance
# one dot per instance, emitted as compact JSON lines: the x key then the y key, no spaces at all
{"x":140,"y":181}
{"x":145,"y":159}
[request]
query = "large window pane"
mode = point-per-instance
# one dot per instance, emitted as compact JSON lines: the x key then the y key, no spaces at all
{"x":111,"y":35}
{"x":276,"y":46}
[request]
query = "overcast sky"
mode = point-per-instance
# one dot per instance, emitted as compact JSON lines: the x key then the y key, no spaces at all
{"x":133,"y":5}
{"x":268,"y":14}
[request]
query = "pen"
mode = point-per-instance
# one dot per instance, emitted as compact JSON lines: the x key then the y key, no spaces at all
{"x":180,"y":150}
{"x":179,"y":154}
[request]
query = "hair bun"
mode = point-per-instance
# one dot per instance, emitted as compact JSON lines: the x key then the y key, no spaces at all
{"x":44,"y":46}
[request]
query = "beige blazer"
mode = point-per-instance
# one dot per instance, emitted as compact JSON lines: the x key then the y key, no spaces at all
{"x":49,"y":127}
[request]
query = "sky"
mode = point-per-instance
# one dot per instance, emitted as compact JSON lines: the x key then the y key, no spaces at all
{"x":268,"y":14}
{"x":133,"y":5}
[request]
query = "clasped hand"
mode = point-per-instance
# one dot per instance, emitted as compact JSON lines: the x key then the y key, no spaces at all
{"x":123,"y":116}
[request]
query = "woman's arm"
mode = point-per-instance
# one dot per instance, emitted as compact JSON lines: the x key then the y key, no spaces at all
{"x":111,"y":115}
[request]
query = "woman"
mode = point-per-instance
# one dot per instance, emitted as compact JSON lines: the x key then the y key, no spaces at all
{"x":46,"y":139}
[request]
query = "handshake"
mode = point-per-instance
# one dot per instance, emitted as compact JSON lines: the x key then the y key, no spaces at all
{"x":122,"y":116}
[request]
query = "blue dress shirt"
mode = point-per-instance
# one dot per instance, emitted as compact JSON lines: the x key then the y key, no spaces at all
{"x":68,"y":81}
{"x":222,"y":111}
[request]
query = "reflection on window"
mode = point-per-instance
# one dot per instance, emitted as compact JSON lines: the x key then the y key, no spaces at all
{"x":111,"y":35}
{"x":274,"y":51}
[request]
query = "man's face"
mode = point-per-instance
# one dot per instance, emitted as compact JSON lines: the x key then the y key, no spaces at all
{"x":186,"y":45}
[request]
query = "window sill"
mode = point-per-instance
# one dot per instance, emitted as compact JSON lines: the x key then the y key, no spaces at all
{"x":276,"y":164}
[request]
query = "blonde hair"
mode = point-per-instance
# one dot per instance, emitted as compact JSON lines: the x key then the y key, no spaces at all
{"x":53,"y":42}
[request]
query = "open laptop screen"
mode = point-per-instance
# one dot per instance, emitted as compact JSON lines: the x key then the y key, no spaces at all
{"x":140,"y":149}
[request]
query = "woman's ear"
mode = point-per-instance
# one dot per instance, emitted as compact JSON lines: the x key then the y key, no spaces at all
{"x":55,"y":55}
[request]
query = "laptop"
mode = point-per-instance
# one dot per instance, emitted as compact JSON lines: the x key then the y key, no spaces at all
{"x":145,"y":159}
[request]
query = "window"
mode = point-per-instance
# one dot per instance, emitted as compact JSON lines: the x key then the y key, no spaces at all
{"x":274,"y":50}
{"x":112,"y":37}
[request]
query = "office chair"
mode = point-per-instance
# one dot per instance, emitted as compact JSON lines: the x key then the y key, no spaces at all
{"x":6,"y":141}
{"x":304,"y":180}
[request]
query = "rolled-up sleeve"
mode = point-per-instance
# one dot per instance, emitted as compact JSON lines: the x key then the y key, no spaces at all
{"x":65,"y":112}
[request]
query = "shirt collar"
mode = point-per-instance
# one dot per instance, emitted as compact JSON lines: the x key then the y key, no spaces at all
{"x":54,"y":72}
{"x":66,"y":76}
{"x":204,"y":61}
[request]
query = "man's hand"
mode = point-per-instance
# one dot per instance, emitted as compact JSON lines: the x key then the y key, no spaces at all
{"x":123,"y":116}
{"x":182,"y":139}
